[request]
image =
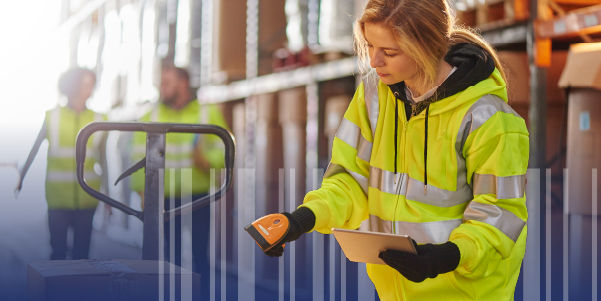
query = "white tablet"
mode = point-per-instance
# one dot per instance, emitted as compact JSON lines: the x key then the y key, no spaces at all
{"x":365,"y":246}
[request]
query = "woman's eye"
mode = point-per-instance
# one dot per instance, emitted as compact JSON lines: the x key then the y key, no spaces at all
{"x":390,"y":54}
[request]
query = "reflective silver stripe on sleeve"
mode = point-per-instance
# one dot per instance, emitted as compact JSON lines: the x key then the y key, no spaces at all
{"x":427,"y":232}
{"x":364,"y":150}
{"x":413,"y":189}
{"x":370,"y":89}
{"x":69,"y":176}
{"x":482,"y":110}
{"x":350,"y":133}
{"x":333,"y":169}
{"x":475,"y":117}
{"x":336,"y":169}
{"x":507,"y":222}
{"x":510,"y":187}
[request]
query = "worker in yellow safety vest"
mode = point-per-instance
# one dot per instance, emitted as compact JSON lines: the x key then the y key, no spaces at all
{"x":69,"y":206}
{"x":428,"y":147}
{"x":193,"y":163}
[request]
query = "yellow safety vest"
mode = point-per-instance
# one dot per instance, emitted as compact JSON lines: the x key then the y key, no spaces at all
{"x":475,"y":196}
{"x":62,"y":189}
{"x":181,"y":175}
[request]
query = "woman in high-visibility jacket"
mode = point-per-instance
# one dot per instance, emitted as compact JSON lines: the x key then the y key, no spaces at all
{"x":428,"y":147}
{"x":68,"y":205}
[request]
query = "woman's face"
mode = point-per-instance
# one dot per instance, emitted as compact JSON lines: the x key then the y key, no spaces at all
{"x":385,"y":55}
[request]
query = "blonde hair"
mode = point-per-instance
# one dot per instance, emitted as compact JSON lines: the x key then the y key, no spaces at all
{"x":424,"y":29}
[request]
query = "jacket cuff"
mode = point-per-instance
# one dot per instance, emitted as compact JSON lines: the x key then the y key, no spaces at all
{"x":467,"y":251}
{"x":321,"y":211}
{"x":305,"y":218}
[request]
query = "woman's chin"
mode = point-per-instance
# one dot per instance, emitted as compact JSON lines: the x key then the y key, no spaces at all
{"x":387,"y":80}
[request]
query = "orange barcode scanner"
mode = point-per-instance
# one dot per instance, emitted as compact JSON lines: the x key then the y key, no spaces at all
{"x":268,"y":231}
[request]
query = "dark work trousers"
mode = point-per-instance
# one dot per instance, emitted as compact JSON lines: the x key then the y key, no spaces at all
{"x":59,"y":222}
{"x":201,"y":223}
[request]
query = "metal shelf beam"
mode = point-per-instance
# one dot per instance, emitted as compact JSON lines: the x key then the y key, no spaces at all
{"x":279,"y":81}
{"x":586,"y":20}
{"x":510,"y":34}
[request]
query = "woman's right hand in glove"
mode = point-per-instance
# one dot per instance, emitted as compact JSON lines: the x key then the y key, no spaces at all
{"x":300,"y":221}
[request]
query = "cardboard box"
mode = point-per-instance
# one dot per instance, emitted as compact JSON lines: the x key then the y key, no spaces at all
{"x":583,"y":74}
{"x":583,"y":67}
{"x":230,"y":46}
{"x":272,"y":32}
{"x":114,"y":280}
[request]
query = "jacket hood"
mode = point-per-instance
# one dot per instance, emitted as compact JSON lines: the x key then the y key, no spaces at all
{"x":474,"y":77}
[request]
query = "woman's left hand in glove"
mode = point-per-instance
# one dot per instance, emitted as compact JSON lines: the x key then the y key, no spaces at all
{"x":430,"y":260}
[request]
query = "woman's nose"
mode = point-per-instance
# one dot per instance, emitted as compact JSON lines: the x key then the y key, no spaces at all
{"x":376,"y":59}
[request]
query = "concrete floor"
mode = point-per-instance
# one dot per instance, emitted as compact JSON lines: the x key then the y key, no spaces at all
{"x":24,"y":236}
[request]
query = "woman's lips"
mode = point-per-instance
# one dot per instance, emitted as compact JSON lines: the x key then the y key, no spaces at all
{"x":383,"y":74}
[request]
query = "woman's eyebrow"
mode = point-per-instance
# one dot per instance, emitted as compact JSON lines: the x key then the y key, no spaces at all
{"x":384,"y":48}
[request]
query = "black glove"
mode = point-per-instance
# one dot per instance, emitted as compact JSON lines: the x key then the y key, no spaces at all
{"x":300,"y":221}
{"x":430,"y":260}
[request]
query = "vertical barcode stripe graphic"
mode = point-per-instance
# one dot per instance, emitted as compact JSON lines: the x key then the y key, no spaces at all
{"x":317,"y":248}
{"x":172,"y":235}
{"x":161,"y":240}
{"x":291,"y":208}
{"x":213,"y":245}
{"x":566,"y":242}
{"x":548,"y":268}
{"x":531,"y":279}
{"x":332,"y":254}
{"x":187,"y":236}
{"x":223,"y":205}
{"x":246,"y":246}
{"x":342,"y":275}
{"x":281,"y":260}
{"x":594,"y":234}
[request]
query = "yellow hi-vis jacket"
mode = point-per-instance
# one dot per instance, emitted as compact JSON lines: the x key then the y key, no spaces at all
{"x":62,"y":189}
{"x":179,"y":148}
{"x":477,"y":156}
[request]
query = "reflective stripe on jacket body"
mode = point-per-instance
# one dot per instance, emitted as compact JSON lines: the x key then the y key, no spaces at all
{"x":179,"y":150}
{"x":62,"y":189}
{"x":477,"y":155}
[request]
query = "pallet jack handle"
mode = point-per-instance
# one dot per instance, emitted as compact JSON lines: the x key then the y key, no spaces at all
{"x":154,"y":164}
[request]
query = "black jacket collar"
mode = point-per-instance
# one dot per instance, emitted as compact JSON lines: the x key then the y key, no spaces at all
{"x":474,"y":65}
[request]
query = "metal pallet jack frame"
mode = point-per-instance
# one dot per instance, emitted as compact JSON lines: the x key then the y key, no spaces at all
{"x":154,"y":164}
